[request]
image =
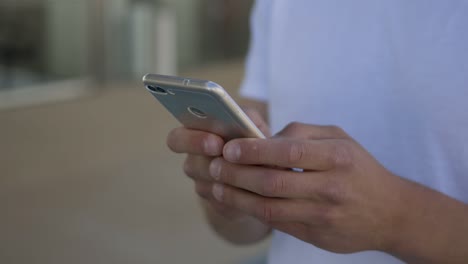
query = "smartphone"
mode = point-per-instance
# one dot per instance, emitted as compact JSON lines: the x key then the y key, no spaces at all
{"x":201,"y":105}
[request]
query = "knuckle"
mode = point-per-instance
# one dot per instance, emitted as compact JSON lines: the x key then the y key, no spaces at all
{"x":333,"y":191}
{"x":341,"y":154}
{"x":327,"y":217}
{"x":294,"y":127}
{"x":264,"y":211}
{"x":337,"y":131}
{"x":273,"y":185}
{"x":296,"y":152}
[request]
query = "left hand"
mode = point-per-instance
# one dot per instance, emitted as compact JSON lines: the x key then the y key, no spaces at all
{"x":343,"y":201}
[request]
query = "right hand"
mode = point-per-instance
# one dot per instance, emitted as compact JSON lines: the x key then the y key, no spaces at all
{"x":201,"y":148}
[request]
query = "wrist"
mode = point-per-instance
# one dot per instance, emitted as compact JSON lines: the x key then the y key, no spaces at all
{"x":400,"y":217}
{"x":408,"y":227}
{"x":430,"y":228}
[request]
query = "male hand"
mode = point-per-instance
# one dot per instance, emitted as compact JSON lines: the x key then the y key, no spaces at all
{"x":343,"y":201}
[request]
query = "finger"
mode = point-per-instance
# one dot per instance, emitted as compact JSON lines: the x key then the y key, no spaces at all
{"x":266,"y":181}
{"x":258,"y":120}
{"x":267,"y":210}
{"x":306,"y":131}
{"x":289,"y":153}
{"x":197,"y":167}
{"x":183,"y":140}
{"x":203,"y":189}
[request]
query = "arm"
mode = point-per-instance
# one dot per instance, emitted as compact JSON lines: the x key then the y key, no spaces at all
{"x":434,"y":230}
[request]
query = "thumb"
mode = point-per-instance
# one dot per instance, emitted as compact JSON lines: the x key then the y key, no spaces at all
{"x":315,"y":132}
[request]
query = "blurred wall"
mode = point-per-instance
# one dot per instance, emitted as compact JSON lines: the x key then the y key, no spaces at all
{"x":90,"y":180}
{"x":67,"y":36}
{"x":188,"y":35}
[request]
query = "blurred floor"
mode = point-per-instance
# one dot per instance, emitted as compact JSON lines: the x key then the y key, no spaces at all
{"x":91,"y":181}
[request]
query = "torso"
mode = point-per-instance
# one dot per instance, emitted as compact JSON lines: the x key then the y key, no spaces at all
{"x":393,"y":74}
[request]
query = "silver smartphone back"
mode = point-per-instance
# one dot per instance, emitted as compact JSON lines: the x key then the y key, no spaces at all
{"x":201,"y":105}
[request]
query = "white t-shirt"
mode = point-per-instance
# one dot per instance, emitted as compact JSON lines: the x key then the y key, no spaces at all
{"x":393,"y":74}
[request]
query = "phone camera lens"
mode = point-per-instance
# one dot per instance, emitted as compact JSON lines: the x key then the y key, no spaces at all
{"x":156,"y":89}
{"x":197,"y":112}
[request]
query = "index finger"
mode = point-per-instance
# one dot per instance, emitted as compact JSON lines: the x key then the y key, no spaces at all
{"x":289,"y":153}
{"x":183,"y":140}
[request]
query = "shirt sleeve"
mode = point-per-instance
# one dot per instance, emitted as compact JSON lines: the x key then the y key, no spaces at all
{"x":255,"y":83}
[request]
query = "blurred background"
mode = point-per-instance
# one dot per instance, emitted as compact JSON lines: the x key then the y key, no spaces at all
{"x":85,"y":176}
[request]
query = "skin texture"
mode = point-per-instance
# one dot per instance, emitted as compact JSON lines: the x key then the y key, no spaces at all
{"x":343,"y":200}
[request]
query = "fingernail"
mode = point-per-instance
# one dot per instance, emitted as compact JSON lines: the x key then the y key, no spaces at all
{"x":218,"y":191}
{"x":232,"y":152}
{"x":210,"y":146}
{"x":215,"y":169}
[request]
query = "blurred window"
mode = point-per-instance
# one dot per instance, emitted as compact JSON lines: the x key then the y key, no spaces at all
{"x":48,"y":46}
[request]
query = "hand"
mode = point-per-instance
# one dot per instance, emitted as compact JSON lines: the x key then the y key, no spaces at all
{"x":343,"y":201}
{"x":201,"y":148}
